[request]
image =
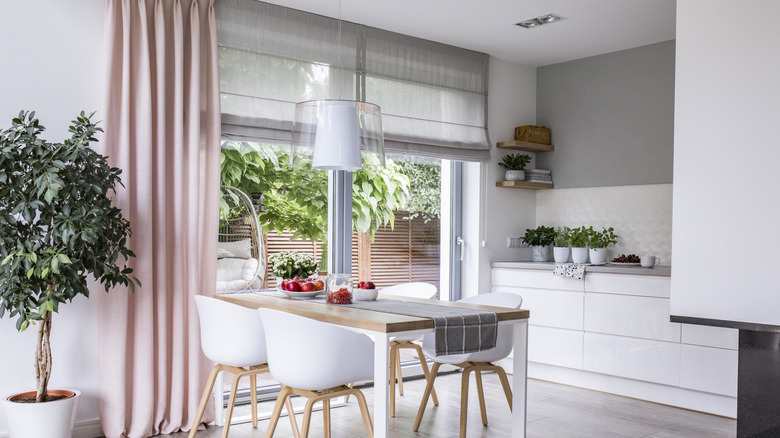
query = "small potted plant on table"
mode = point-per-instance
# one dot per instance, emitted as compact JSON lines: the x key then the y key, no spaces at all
{"x":514,"y":165}
{"x":578,"y":240}
{"x":540,"y":239}
{"x":561,"y":245}
{"x":58,"y":228}
{"x":288,"y":265}
{"x":598,"y":241}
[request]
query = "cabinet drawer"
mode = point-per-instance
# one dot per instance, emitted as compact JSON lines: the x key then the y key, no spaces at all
{"x":642,"y":285}
{"x":558,"y":347}
{"x":550,"y":308}
{"x":709,"y":369}
{"x":706,"y":336}
{"x":534,"y":279}
{"x":641,"y":359}
{"x":640,"y":317}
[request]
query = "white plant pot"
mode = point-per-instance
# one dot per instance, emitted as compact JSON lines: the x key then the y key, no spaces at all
{"x":598,"y":256}
{"x":41,"y":420}
{"x":561,"y":254}
{"x":514,"y":175}
{"x":579,"y":255}
{"x":540,"y":253}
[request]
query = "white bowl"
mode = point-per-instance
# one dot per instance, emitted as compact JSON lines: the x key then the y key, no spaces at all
{"x":364,"y":294}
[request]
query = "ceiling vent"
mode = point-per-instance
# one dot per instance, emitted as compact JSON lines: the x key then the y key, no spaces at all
{"x":540,"y":20}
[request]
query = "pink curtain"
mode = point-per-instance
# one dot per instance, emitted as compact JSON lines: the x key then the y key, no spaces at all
{"x":162,"y":128}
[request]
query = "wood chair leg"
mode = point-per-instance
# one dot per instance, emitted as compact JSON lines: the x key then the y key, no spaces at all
{"x":393,"y":354}
{"x":364,"y":412}
{"x":505,"y":384}
{"x":326,"y":416}
{"x":305,"y":425}
{"x":204,"y":400}
{"x":426,"y":371}
{"x":481,"y":394}
{"x":231,"y":404}
{"x":464,"y":400}
{"x":253,"y":397}
{"x":281,"y":400}
{"x":399,"y":376}
{"x":350,"y":386}
{"x":291,"y":416}
{"x":428,"y":388}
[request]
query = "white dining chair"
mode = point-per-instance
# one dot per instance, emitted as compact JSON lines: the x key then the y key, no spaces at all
{"x":232,"y":337}
{"x":412,"y":290}
{"x":316,"y":360}
{"x":474,"y":362}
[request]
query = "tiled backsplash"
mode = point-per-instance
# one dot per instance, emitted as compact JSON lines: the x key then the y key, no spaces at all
{"x":641,"y":215}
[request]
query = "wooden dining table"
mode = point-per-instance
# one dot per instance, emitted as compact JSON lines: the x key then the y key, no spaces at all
{"x":382,"y":326}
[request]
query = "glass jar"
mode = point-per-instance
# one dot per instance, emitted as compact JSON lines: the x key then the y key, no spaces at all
{"x":339,"y":289}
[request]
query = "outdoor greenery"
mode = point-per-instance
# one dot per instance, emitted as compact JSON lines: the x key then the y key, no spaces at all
{"x":562,"y":236}
{"x":514,"y":161}
{"x":539,"y":236}
{"x":58,"y":227}
{"x":296,"y":196}
{"x":601,"y":239}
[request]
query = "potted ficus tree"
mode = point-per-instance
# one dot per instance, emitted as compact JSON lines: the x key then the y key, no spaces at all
{"x":58,"y":227}
{"x":598,"y":241}
{"x":540,"y":239}
{"x":514,"y":165}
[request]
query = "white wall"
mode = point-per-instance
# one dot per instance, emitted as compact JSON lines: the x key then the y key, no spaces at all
{"x":726,"y":155}
{"x":503,"y":211}
{"x":53,"y":64}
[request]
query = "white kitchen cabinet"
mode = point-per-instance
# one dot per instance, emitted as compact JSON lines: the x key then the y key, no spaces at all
{"x":551,"y":308}
{"x":636,"y":285}
{"x":709,"y":369}
{"x":707,"y":336}
{"x":641,"y":359}
{"x":534,"y":279}
{"x":639,"y":317}
{"x":558,"y":347}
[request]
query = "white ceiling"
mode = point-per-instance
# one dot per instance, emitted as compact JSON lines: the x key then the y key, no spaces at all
{"x":591,"y":27}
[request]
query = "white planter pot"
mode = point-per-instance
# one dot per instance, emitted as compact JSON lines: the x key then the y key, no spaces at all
{"x":41,"y":420}
{"x":540,"y":253}
{"x":561,"y":254}
{"x":598,"y":256}
{"x":514,"y":175}
{"x":579,"y":255}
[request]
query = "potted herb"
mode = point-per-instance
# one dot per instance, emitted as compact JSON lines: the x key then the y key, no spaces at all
{"x":514,"y":165}
{"x":598,"y":241}
{"x":578,"y":240}
{"x":561,"y":245}
{"x":291,"y":264}
{"x":58,"y":228}
{"x":540,"y":239}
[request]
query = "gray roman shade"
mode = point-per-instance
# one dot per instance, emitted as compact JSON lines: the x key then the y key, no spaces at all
{"x":433,"y":96}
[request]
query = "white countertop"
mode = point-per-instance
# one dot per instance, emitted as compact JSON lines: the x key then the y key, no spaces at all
{"x":659,"y":271}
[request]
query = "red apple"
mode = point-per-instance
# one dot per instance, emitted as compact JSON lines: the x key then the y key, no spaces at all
{"x":284,"y":284}
{"x":293,"y":286}
{"x":361,"y":285}
{"x":298,"y":279}
{"x":307,"y":287}
{"x":319,"y":285}
{"x":369,"y":285}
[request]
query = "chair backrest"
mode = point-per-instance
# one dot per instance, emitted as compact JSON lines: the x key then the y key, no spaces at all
{"x":505,"y":337}
{"x":308,"y":354}
{"x":230,"y":334}
{"x":416,"y":289}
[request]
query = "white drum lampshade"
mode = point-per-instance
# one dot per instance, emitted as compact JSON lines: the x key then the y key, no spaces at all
{"x":338,"y":131}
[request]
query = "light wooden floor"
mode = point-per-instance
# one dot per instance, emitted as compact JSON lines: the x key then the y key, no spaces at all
{"x":554,"y":411}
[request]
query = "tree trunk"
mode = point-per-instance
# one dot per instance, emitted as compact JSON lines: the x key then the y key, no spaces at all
{"x":43,"y":357}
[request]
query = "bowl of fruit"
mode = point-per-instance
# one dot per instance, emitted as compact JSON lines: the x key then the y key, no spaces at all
{"x":365,"y":291}
{"x":301,"y":288}
{"x":626,"y":260}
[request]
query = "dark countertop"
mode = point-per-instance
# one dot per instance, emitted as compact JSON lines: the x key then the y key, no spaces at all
{"x":658,"y":271}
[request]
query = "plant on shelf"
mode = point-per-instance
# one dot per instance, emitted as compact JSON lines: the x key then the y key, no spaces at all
{"x":540,"y":239}
{"x":58,"y":228}
{"x":598,"y":241}
{"x":291,"y":264}
{"x":578,"y":240}
{"x":561,"y":245}
{"x":514,"y":165}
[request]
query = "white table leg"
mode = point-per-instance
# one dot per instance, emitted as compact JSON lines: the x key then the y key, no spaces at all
{"x":520,"y":379}
{"x":381,"y":382}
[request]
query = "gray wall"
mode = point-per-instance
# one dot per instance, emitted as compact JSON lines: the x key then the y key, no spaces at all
{"x":611,"y":118}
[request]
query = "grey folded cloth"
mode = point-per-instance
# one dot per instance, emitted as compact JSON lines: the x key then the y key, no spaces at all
{"x":569,"y":270}
{"x":458,"y":330}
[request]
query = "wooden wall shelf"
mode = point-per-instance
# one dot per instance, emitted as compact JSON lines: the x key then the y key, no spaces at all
{"x":525,"y":146}
{"x":524,"y":185}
